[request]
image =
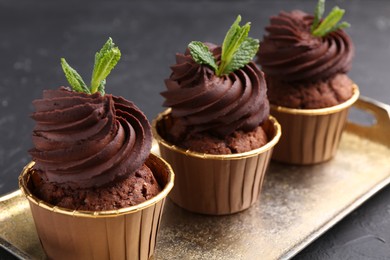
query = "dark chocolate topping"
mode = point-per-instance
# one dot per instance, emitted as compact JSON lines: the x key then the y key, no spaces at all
{"x":86,"y":140}
{"x":290,"y":53}
{"x":205,"y":102}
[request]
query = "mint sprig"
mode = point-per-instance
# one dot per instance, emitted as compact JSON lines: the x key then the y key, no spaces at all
{"x":330,"y":23}
{"x":74,"y":79}
{"x":201,"y":54}
{"x":105,"y":60}
{"x":242,"y":55}
{"x":237,"y":50}
{"x":318,"y":13}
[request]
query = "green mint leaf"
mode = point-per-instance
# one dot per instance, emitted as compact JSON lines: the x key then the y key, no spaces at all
{"x":231,"y":44}
{"x":341,"y":26}
{"x":201,"y":54}
{"x":318,"y":13}
{"x":105,"y":61}
{"x":230,"y":35}
{"x":337,"y":27}
{"x":329,"y":22}
{"x":102,"y":86}
{"x":244,"y":55}
{"x":237,"y":50}
{"x":74,"y":78}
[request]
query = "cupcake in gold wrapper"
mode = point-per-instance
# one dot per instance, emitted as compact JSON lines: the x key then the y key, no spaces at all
{"x":215,"y":184}
{"x":305,"y":59}
{"x":124,"y":233}
{"x":310,"y":135}
{"x":94,"y":189}
{"x":217,"y":134}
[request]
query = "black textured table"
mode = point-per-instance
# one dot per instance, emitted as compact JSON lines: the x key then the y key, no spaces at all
{"x":35,"y":34}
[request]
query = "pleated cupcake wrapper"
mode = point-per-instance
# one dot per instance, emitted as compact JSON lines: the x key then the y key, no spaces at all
{"x":127,"y":233}
{"x":310,"y":136}
{"x":215,"y":184}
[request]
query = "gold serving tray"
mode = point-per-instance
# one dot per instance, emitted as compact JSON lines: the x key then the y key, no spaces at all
{"x":296,"y":206}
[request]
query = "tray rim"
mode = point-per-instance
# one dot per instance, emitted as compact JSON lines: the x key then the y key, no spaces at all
{"x":343,"y":213}
{"x":295,"y":249}
{"x":13,"y":250}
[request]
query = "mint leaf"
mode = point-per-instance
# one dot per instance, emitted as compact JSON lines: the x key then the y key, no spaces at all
{"x":105,"y":61}
{"x":230,"y":35}
{"x":330,"y":23}
{"x":244,"y":55}
{"x":340,"y":26}
{"x":102,"y":86}
{"x":232,"y":42}
{"x":318,"y":13}
{"x":74,"y":78}
{"x":237,"y":50}
{"x":201,"y":54}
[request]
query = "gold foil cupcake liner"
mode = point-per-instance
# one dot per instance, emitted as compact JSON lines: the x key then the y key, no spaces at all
{"x":127,"y":233}
{"x":310,"y":136}
{"x":215,"y":184}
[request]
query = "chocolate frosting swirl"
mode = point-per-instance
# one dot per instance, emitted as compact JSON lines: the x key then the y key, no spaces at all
{"x":86,"y":140}
{"x":205,"y":102}
{"x":290,"y":53}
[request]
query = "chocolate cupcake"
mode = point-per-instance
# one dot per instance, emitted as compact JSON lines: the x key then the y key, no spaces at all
{"x":306,"y":59}
{"x":216,"y":114}
{"x":92,"y":174}
{"x":217,"y":133}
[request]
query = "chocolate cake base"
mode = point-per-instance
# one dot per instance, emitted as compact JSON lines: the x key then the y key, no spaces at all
{"x":327,"y":93}
{"x":138,"y":187}
{"x":238,"y":142}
